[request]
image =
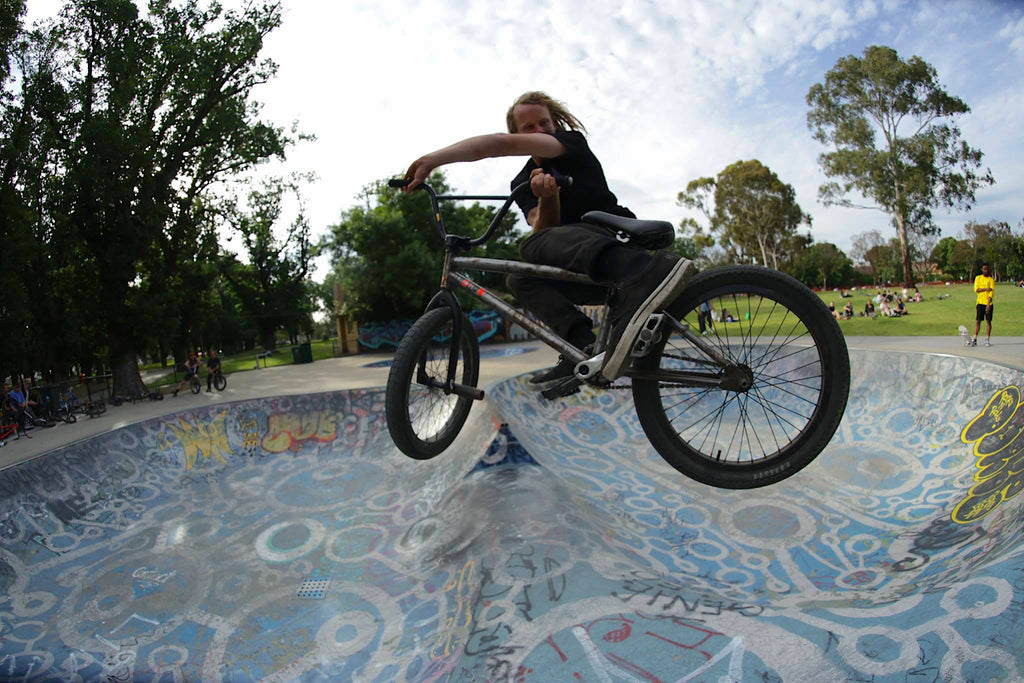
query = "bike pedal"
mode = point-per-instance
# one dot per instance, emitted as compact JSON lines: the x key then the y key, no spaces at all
{"x":567,"y":388}
{"x":650,"y":334}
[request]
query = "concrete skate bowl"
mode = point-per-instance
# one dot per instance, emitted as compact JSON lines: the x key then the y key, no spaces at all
{"x":285,"y":539}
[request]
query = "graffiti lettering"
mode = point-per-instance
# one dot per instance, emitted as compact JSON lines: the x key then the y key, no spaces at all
{"x":939,"y":535}
{"x":151,"y":575}
{"x":995,"y":433}
{"x":209,"y":440}
{"x":289,"y":430}
{"x":667,"y":596}
{"x":460,"y":586}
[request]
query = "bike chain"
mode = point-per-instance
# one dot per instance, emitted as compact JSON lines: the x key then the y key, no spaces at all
{"x":700,"y":361}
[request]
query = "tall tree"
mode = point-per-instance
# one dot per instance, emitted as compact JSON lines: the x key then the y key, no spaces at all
{"x":824,"y":265}
{"x":864,"y":248}
{"x":942,"y":253}
{"x":162,"y":114}
{"x":387,"y":255}
{"x":272,"y":286}
{"x":754,"y":213}
{"x":895,"y":142}
{"x":993,"y":243}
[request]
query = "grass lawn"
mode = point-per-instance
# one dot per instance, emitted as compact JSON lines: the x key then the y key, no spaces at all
{"x":246,"y":361}
{"x":930,"y":318}
{"x":933,"y":317}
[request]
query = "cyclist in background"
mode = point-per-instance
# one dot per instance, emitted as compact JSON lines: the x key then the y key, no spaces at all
{"x":192,"y":365}
{"x":541,"y":128}
{"x":213,"y":365}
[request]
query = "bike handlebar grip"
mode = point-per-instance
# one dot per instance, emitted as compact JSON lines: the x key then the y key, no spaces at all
{"x":399,"y":182}
{"x":561,"y":180}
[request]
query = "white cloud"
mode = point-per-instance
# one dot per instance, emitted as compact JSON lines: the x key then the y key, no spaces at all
{"x":669,"y":90}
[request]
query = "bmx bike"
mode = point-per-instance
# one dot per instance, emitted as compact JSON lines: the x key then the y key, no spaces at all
{"x":220,"y":382}
{"x":747,"y":400}
{"x":194,"y":384}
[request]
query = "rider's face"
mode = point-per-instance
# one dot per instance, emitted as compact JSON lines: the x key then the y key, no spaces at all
{"x":532,"y":118}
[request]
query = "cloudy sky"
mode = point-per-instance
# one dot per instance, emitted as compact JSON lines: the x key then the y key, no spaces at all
{"x":669,"y":91}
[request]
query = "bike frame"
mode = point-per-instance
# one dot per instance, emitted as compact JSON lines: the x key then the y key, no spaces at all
{"x":453,"y":279}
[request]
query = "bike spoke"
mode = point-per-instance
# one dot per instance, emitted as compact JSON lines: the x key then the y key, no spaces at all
{"x":430,"y":409}
{"x":737,"y":427}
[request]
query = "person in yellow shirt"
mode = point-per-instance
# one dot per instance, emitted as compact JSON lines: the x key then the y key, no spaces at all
{"x":984,"y":287}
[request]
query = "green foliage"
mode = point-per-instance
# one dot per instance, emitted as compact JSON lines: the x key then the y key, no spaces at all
{"x":387,"y":254}
{"x":754,"y":214}
{"x":942,"y":254}
{"x":862,"y":110}
{"x":272,"y":287}
{"x":824,"y":265}
{"x":112,"y":152}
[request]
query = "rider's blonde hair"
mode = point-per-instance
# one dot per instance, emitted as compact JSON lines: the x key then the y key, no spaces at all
{"x":560,"y":116}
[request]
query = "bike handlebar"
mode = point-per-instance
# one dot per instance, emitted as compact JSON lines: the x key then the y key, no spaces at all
{"x":398,"y":183}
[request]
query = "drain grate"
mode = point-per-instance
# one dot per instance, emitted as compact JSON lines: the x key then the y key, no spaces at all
{"x":313,"y":589}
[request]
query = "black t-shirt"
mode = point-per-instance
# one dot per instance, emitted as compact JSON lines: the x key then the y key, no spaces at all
{"x":589,"y":190}
{"x":213,"y":364}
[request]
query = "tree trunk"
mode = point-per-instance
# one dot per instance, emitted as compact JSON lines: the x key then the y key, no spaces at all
{"x":127,"y":380}
{"x":908,"y":272}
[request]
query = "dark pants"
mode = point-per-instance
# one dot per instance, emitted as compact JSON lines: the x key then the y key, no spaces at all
{"x":580,"y":248}
{"x":704,"y":320}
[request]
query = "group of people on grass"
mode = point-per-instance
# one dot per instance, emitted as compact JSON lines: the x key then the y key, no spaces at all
{"x":892,"y":305}
{"x":885,"y":303}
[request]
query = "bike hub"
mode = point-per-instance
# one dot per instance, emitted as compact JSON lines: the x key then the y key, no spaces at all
{"x":738,"y":378}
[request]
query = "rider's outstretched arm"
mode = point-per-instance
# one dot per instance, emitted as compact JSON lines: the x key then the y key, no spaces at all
{"x":538,"y":145}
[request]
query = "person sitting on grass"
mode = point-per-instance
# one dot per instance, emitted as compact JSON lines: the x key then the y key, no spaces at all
{"x":848,"y":310}
{"x":869,"y":309}
{"x":901,"y":308}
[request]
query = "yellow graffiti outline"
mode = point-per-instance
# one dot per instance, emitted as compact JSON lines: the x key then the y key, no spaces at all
{"x":981,"y":506}
{"x":461,"y":587}
{"x":193,"y":435}
{"x":984,"y":411}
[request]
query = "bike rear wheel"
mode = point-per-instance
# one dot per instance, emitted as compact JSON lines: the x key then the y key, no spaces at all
{"x":422,"y":419}
{"x":796,"y":355}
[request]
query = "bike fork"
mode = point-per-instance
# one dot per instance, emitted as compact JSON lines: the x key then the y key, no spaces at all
{"x":447,"y":298}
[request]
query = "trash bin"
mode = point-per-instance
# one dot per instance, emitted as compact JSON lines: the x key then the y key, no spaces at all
{"x":303,"y":353}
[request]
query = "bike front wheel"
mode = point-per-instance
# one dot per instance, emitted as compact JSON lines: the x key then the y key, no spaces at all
{"x":423,"y":420}
{"x":782,"y":337}
{"x":195,"y":385}
{"x":220,"y":382}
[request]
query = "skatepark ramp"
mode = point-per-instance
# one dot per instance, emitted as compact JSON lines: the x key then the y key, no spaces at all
{"x":286,"y":539}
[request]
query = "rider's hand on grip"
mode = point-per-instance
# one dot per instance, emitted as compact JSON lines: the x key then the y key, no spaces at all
{"x":562,"y":181}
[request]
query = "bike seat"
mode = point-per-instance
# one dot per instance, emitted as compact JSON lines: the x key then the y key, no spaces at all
{"x":644,"y":234}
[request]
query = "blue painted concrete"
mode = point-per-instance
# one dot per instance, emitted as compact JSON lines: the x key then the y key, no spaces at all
{"x":550,"y":543}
